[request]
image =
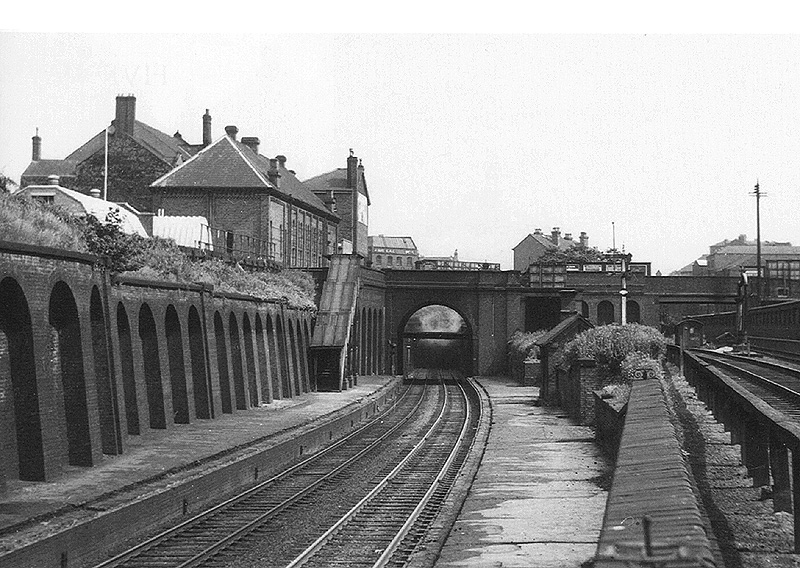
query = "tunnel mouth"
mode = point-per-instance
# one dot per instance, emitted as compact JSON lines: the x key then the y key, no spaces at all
{"x":437,"y":337}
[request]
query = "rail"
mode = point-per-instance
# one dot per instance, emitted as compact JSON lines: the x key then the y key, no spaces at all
{"x":770,"y":440}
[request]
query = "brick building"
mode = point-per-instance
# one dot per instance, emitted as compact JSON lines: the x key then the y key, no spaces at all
{"x":532,"y":247}
{"x":345,"y":191}
{"x":138,"y":154}
{"x":250,"y":201}
{"x":392,"y":252}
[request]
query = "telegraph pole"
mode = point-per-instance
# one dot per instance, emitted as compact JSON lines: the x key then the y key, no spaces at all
{"x":757,"y":192}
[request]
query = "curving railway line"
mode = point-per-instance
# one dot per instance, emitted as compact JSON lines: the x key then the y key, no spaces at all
{"x":775,"y":381}
{"x":366,"y":500}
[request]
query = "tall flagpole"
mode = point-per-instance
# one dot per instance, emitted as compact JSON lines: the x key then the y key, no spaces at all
{"x":105,"y":170}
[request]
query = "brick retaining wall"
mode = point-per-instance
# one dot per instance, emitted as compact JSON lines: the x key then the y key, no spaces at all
{"x":87,"y":361}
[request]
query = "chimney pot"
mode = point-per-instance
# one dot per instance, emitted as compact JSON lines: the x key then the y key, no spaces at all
{"x":537,"y":231}
{"x":352,"y":170}
{"x":281,"y":160}
{"x":231,"y":131}
{"x":567,"y":236}
{"x":251,"y":142}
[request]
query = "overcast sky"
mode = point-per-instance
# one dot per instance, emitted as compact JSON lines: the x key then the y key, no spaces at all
{"x":469,"y":142}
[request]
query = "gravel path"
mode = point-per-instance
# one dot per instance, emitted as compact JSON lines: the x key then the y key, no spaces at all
{"x":748,"y":533}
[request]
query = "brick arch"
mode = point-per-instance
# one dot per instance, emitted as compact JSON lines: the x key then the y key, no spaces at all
{"x":24,"y":454}
{"x":283,"y":357}
{"x":237,"y":365}
{"x":197,"y":356}
{"x":605,"y":313}
{"x":295,"y":355}
{"x":222,"y":364}
{"x":274,"y":358}
{"x":127,"y":367}
{"x":424,"y":304}
{"x":67,"y":360}
{"x":468,"y":335}
{"x":152,"y":368}
{"x":177,"y":366}
{"x":105,"y":383}
{"x":263,"y":363}
{"x":250,"y":360}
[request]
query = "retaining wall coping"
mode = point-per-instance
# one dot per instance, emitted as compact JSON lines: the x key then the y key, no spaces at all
{"x":51,"y":252}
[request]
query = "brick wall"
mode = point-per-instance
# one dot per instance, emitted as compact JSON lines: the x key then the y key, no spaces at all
{"x":111,"y":359}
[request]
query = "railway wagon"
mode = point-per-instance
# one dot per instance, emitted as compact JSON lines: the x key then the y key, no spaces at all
{"x":772,"y":327}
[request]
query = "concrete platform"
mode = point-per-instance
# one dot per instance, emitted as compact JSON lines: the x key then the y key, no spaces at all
{"x":160,"y":460}
{"x":538,"y":497}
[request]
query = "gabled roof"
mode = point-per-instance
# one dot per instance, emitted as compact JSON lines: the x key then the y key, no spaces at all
{"x":165,"y":147}
{"x":546,"y":241}
{"x":50,"y":167}
{"x":575,"y":321}
{"x":334,"y":180}
{"x":226,"y":163}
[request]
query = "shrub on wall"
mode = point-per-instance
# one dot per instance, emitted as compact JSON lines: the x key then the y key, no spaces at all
{"x":31,"y":222}
{"x":522,"y":345}
{"x":609,"y":345}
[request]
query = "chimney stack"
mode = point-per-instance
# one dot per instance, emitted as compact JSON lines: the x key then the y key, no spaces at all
{"x":251,"y":142}
{"x":36,"y":153}
{"x":352,"y":170}
{"x":584,"y":239}
{"x":537,"y":231}
{"x":330,"y":201}
{"x":274,"y":174}
{"x":126,"y":114}
{"x":231,"y":131}
{"x":206,"y":129}
{"x":556,"y":235}
{"x":567,"y":236}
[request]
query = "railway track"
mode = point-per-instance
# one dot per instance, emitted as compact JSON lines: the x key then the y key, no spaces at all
{"x":362,"y":496}
{"x":776,"y":382}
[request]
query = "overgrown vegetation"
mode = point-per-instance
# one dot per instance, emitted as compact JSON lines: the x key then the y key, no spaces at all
{"x":522,"y":345}
{"x":29,"y":221}
{"x":574,"y":255}
{"x":618,"y":351}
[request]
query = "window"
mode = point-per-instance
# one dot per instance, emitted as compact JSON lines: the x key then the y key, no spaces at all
{"x":409,"y":262}
{"x":388,"y":261}
{"x":44,"y":198}
{"x":377,"y":259}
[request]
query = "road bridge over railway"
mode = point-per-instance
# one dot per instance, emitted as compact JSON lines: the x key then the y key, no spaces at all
{"x":494,"y":304}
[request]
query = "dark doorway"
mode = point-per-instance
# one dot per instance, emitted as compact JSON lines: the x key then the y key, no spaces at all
{"x":542,"y":313}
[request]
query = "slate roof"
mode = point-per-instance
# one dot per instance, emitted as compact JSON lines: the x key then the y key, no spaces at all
{"x":382,"y":241}
{"x":547,"y":242}
{"x":165,"y":147}
{"x":50,"y":167}
{"x":562,"y":327}
{"x":227,"y":163}
{"x":334,"y":180}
